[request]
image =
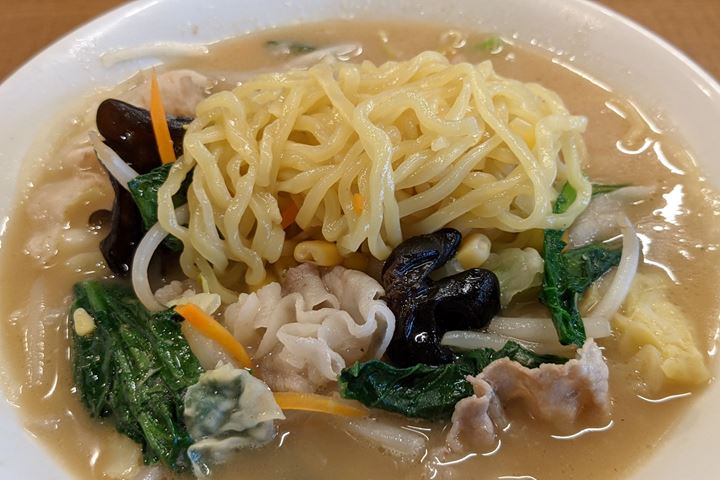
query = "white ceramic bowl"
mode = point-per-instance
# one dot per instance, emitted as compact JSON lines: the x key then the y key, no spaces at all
{"x":612,"y":49}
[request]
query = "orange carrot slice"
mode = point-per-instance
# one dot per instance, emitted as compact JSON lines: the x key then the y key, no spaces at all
{"x":289,"y":214}
{"x":212,"y":329}
{"x":312,"y":402}
{"x":358,"y":203}
{"x":159,"y":123}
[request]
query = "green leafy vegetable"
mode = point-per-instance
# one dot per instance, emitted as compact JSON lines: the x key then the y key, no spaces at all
{"x":227,"y":410}
{"x":565,"y":199}
{"x":290,"y":48}
{"x":424,"y":391}
{"x":568,"y":274}
{"x":144,"y":190}
{"x":421,"y":391}
{"x":483,"y":357}
{"x":588,"y":263}
{"x":599,"y":189}
{"x":134,"y":369}
{"x":490,"y":44}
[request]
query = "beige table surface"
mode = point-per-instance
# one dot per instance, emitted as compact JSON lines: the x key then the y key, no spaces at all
{"x":27,"y":26}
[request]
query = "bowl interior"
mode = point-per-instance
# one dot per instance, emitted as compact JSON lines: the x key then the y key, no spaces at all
{"x":609,"y":49}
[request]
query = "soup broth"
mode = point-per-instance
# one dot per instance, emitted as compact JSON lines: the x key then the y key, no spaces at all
{"x":677,"y":225}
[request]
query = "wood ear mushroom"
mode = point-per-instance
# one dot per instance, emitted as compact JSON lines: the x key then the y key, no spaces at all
{"x":424,"y":308}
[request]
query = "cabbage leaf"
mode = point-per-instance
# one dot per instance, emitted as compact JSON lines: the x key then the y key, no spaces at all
{"x":652,"y":328}
{"x":517,"y":269}
{"x":227,"y":410}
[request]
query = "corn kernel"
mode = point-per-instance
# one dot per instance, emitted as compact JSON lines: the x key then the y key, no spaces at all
{"x":319,"y":252}
{"x":474,"y":250}
{"x":83,"y":322}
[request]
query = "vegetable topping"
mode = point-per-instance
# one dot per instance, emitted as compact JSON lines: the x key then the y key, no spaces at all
{"x":568,"y":274}
{"x":279,"y":47}
{"x":134,"y":368}
{"x":144,"y":191}
{"x":425,"y":391}
{"x":210,"y":327}
{"x":228,"y":409}
{"x":426,"y":309}
{"x":312,"y":402}
{"x":159,"y":123}
{"x":128,"y":131}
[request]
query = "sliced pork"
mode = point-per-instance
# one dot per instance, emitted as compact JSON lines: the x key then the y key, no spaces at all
{"x":554,"y":393}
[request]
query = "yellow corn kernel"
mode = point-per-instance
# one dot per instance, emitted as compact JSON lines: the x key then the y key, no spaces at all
{"x":474,"y":250}
{"x":83,"y":322}
{"x":319,"y":252}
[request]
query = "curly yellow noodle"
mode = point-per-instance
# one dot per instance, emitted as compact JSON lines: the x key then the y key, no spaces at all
{"x":423,"y":143}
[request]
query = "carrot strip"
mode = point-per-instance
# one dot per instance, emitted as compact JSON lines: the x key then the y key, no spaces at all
{"x":312,"y":402}
{"x":209,"y":327}
{"x":159,"y":123}
{"x":289,"y":214}
{"x":358,"y":203}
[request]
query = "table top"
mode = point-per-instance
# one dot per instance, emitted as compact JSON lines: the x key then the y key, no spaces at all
{"x":27,"y":26}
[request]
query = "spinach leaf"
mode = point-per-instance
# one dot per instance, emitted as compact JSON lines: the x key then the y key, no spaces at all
{"x":144,"y":190}
{"x":424,"y":391}
{"x":134,"y":369}
{"x":568,"y":274}
{"x":483,"y":357}
{"x":290,"y":48}
{"x":420,"y":391}
{"x":565,"y":199}
{"x":559,"y":299}
{"x":599,"y":189}
{"x":586,"y":264}
{"x":490,"y":44}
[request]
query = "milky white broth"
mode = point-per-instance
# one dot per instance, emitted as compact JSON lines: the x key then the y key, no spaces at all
{"x":678,"y":227}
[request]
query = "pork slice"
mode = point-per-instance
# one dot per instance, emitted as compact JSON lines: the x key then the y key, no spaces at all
{"x":555,"y":393}
{"x":477,"y":417}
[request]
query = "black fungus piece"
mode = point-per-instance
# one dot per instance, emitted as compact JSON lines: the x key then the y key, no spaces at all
{"x":126,"y":231}
{"x":425,"y":309}
{"x":128,"y":131}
